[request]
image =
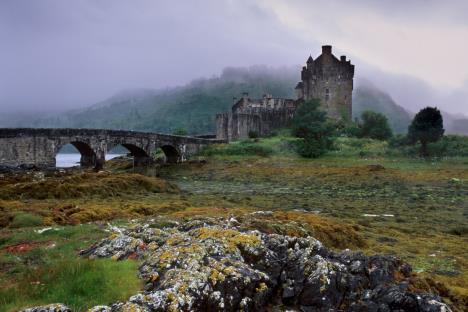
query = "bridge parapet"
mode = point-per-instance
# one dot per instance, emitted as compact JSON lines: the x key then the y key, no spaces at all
{"x":39,"y":146}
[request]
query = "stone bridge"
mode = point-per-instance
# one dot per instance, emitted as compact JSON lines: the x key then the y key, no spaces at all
{"x":28,"y":146}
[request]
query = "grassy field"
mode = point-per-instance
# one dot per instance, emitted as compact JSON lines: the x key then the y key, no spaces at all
{"x":362,"y":195}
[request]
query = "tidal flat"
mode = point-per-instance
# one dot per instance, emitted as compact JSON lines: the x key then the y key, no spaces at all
{"x":412,"y":208}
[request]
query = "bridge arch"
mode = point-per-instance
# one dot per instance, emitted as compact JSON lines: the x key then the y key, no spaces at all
{"x":39,"y":147}
{"x":88,"y":155}
{"x":172,"y":154}
{"x":140,"y":155}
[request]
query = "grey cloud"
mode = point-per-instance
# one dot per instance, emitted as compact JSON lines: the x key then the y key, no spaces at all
{"x":58,"y":55}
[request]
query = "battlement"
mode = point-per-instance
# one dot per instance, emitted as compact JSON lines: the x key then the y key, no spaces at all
{"x":327,"y":49}
{"x":326,"y":78}
{"x":266,"y":102}
{"x":330,"y":80}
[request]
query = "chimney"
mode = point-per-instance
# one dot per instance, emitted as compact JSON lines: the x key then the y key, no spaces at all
{"x":326,"y":49}
{"x":343,"y":58}
{"x":245,"y":97}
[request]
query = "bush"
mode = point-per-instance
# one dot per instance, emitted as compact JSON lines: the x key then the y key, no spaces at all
{"x":454,"y":145}
{"x":310,"y":148}
{"x":351,"y":129}
{"x":398,"y":141}
{"x":25,"y":220}
{"x":359,"y":147}
{"x":447,"y":146}
{"x":375,"y":126}
{"x":253,"y":134}
{"x":311,"y":125}
{"x":179,"y":131}
{"x":243,"y":148}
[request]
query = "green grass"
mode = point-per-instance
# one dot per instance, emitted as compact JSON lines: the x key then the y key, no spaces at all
{"x":426,"y":198}
{"x":78,"y":283}
{"x":51,"y":271}
{"x":283,"y":144}
{"x":280,"y":144}
{"x":25,"y":220}
{"x":242,"y":148}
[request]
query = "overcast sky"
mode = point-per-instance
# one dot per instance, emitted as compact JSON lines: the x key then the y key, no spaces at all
{"x":58,"y":54}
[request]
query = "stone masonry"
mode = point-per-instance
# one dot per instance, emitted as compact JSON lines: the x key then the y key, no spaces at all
{"x":326,"y":78}
{"x":38,"y":147}
{"x":331,"y":81}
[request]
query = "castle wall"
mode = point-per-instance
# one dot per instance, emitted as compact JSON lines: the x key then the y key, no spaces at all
{"x":327,"y":78}
{"x":222,"y":126}
{"x":235,"y":126}
{"x":337,"y":101}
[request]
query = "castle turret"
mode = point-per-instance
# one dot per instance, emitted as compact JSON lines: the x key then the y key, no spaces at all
{"x":327,"y":49}
{"x":330,"y":80}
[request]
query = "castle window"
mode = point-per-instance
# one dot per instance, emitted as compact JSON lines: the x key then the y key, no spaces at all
{"x":327,"y":94}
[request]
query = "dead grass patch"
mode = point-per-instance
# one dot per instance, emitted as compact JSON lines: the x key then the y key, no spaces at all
{"x":85,"y":184}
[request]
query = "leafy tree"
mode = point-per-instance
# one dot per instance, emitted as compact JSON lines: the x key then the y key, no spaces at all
{"x":311,"y":124}
{"x":179,"y":131}
{"x":426,"y":127}
{"x":375,"y":126}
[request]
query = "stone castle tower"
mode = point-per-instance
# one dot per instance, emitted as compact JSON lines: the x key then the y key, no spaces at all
{"x":330,"y":80}
{"x":326,"y":78}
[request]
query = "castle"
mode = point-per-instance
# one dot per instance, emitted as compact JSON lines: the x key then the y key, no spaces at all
{"x":326,"y":78}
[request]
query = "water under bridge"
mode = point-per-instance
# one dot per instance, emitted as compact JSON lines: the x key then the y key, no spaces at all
{"x":39,"y":147}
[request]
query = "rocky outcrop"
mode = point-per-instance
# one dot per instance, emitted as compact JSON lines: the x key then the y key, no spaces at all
{"x":212,"y":265}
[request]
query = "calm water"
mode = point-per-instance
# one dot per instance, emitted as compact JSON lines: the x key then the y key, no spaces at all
{"x":70,"y":160}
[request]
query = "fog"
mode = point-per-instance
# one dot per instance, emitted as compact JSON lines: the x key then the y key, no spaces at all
{"x":58,"y":55}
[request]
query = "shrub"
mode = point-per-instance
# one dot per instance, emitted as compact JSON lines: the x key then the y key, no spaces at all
{"x":253,"y":134}
{"x":179,"y":131}
{"x":447,"y":146}
{"x":25,"y":220}
{"x":243,"y":148}
{"x":310,"y":124}
{"x":375,"y":126}
{"x":454,"y":145}
{"x":309,"y":148}
{"x":398,"y":141}
{"x":426,"y":127}
{"x":359,"y":147}
{"x":351,"y":129}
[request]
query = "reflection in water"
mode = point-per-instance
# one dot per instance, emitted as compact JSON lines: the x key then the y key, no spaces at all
{"x":71,"y":160}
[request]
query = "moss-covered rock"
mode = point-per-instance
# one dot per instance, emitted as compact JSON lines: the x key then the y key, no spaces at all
{"x":211,"y":264}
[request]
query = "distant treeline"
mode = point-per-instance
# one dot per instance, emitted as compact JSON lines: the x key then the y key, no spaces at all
{"x":193,"y":107}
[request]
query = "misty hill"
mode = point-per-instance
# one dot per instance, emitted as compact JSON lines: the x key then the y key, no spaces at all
{"x":194,"y":106}
{"x":367,"y":97}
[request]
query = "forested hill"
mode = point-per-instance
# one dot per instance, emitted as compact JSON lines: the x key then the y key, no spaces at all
{"x":367,"y":97}
{"x":194,"y":106}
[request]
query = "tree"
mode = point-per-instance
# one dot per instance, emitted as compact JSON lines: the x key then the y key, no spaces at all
{"x":179,"y":131}
{"x":311,"y":125}
{"x":375,"y":126}
{"x":426,"y":127}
